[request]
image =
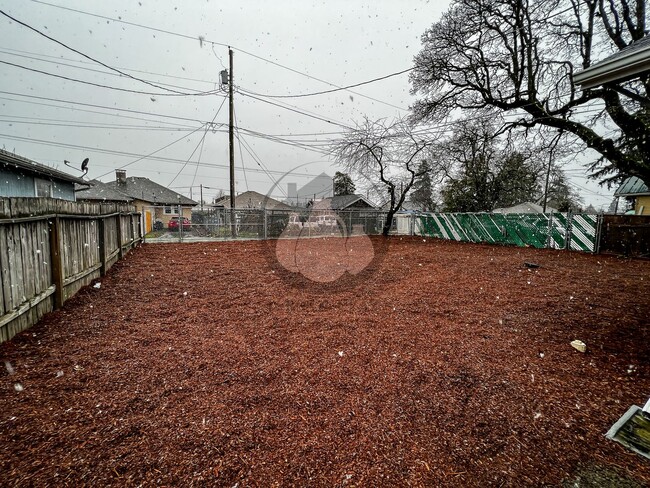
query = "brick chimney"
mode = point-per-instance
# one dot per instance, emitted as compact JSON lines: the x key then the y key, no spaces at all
{"x":120,"y":177}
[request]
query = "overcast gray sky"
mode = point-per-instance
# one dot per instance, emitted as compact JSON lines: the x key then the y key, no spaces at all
{"x":281,"y":48}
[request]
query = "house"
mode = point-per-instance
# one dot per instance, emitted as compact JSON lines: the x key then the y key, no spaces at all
{"x":626,"y":64}
{"x":101,"y":193}
{"x":623,"y":65}
{"x":343,"y":202}
{"x":22,"y":177}
{"x":155,"y":202}
{"x":322,"y":186}
{"x":525,"y":208}
{"x":358,"y":214}
{"x":251,"y":200}
{"x":407,"y":206}
{"x":637,"y":192}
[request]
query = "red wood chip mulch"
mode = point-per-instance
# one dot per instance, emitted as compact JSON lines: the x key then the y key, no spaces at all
{"x":445,"y":364}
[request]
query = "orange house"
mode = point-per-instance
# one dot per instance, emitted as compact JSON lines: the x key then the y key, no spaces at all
{"x":155,"y":202}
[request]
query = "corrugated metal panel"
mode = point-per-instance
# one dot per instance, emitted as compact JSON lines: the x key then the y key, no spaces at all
{"x":632,"y":186}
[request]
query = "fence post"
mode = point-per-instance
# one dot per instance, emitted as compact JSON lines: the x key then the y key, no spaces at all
{"x":138,"y":237}
{"x":120,"y":250}
{"x":57,"y":261}
{"x":265,"y":223}
{"x":599,"y":230}
{"x":568,"y":231}
{"x":180,"y":222}
{"x":102,"y":245}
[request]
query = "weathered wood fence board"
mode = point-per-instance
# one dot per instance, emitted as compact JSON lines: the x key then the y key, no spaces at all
{"x":49,"y":249}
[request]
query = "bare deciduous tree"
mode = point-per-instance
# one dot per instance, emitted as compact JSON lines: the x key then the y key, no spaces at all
{"x":385,"y":154}
{"x":520,"y":56}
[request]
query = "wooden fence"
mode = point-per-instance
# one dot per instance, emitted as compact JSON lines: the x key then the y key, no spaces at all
{"x":628,"y":235}
{"x":50,"y":248}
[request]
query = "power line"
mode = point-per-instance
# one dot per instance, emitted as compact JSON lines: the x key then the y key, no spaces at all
{"x":59,"y":63}
{"x":296,"y":144}
{"x":194,"y":38}
{"x":336,"y":89}
{"x":154,"y":152}
{"x":271,"y":137}
{"x":241,"y":155}
{"x":172,"y":92}
{"x":100,"y":85}
{"x":174,"y":125}
{"x":197,"y":146}
{"x":295,"y":110}
{"x":256,"y":158}
{"x":165,"y":115}
{"x":130,"y":154}
{"x":317,"y":79}
{"x":11,"y":51}
{"x":86,"y":126}
{"x":134,"y":24}
{"x":104,"y":106}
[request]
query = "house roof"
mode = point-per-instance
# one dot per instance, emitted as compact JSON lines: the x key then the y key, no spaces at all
{"x":102,"y":192}
{"x":9,"y":160}
{"x":624,"y":64}
{"x":407,"y":206}
{"x":632,"y":186}
{"x":251,"y":199}
{"x":319,"y":184}
{"x":139,"y":188}
{"x":340,"y":202}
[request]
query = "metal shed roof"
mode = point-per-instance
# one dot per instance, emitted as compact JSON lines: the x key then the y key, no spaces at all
{"x":632,"y":186}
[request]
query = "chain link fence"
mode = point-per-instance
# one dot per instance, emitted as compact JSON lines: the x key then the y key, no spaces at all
{"x":553,"y":230}
{"x":226,"y":224}
{"x":557,"y":230}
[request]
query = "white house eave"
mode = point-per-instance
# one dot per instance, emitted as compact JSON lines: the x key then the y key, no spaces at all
{"x":617,"y":69}
{"x":644,"y":194}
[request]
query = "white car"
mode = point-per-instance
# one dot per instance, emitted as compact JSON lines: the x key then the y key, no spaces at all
{"x":327,"y":220}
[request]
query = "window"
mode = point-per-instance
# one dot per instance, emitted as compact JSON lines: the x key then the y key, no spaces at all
{"x":43,"y":188}
{"x":171,"y":209}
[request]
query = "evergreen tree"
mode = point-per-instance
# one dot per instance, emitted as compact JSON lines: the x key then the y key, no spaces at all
{"x":422,"y":194}
{"x":343,"y":184}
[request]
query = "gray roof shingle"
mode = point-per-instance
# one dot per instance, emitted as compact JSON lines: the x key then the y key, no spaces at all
{"x":134,"y":188}
{"x":340,"y":202}
{"x":102,"y":192}
{"x":252,"y":199}
{"x":146,"y":190}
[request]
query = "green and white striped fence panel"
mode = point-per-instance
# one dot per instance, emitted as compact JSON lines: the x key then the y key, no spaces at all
{"x":535,"y":230}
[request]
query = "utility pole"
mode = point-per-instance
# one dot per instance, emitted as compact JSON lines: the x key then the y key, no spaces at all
{"x":231,"y":138}
{"x":201,"y":187}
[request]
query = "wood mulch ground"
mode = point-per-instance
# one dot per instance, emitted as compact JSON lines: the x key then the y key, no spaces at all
{"x":443,"y":364}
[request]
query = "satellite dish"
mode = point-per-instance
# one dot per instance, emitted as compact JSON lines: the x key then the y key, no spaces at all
{"x":84,"y":165}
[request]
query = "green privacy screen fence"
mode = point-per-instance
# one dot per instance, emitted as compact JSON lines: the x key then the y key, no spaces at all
{"x":557,"y":230}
